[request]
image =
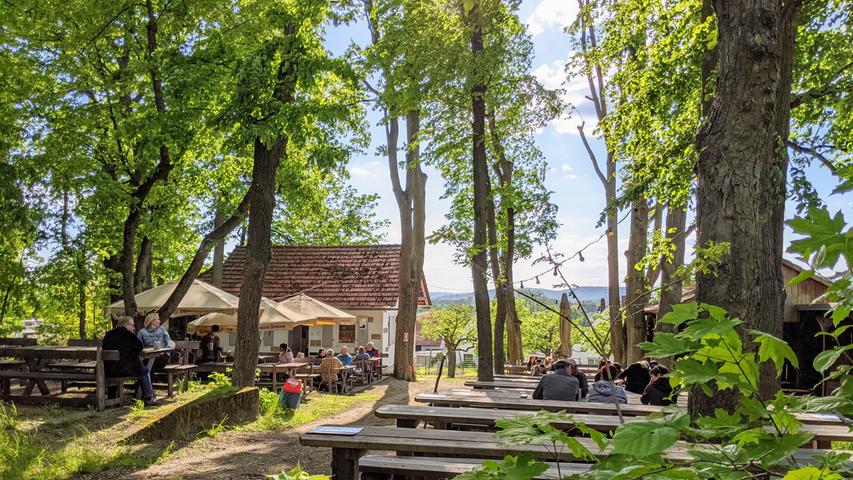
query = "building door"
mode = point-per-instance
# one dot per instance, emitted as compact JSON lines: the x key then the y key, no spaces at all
{"x":361,"y":331}
{"x":298,"y":340}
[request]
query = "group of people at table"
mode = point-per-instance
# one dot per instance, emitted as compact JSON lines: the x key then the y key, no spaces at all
{"x":562,"y":379}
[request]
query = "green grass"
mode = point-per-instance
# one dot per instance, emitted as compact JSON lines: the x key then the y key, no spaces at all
{"x":316,"y":406}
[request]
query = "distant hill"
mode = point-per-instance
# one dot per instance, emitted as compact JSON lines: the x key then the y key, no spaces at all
{"x":586,"y":294}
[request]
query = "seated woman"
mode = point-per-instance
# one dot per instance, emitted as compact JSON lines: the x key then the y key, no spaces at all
{"x":636,"y":376}
{"x":658,"y":391}
{"x":153,"y":335}
{"x":285,"y":354}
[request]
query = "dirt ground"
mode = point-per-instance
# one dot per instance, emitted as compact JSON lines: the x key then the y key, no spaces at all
{"x":242,"y":454}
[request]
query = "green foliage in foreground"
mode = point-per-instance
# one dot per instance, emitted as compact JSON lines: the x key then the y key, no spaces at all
{"x":759,"y":436}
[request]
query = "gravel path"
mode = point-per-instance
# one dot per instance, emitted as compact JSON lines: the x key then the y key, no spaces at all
{"x":244,"y":455}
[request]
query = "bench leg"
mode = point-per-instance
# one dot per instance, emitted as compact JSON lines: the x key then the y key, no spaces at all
{"x":170,"y":378}
{"x":345,"y":463}
{"x":186,"y":381}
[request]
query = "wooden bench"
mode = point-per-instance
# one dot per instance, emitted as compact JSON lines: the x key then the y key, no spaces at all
{"x":380,"y":467}
{"x":348,"y":449}
{"x":180,"y":373}
{"x":38,"y":372}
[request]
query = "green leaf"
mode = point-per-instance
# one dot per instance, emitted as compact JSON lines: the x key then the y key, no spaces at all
{"x":681,"y":313}
{"x":699,"y":329}
{"x":643,"y":438}
{"x":811,"y":473}
{"x":826,"y":359}
{"x":468,"y":4}
{"x":522,"y":467}
{"x":801,"y":277}
{"x":668,"y":344}
{"x":772,"y":348}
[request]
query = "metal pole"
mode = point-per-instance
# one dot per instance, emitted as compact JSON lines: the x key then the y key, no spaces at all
{"x":440,"y":369}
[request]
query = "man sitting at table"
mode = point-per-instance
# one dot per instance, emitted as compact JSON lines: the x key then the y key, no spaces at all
{"x":372,"y":351}
{"x":329,"y":367}
{"x":345,"y":357}
{"x":363,"y":355}
{"x":559,"y":385}
{"x":123,"y":339}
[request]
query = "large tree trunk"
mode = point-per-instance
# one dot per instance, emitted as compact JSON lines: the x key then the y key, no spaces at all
{"x":742,"y":172}
{"x":160,"y":173}
{"x":617,"y":330}
{"x":635,"y":281}
{"x":485,"y":367}
{"x":411,"y":204}
{"x":142,"y":276}
{"x":671,"y":284}
{"x":451,"y":362}
{"x":81,"y":292}
{"x":258,"y":253}
{"x":501,"y":288}
{"x":259,"y":247}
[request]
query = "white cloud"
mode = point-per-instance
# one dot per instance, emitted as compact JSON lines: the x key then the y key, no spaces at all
{"x":552,"y":13}
{"x":566,"y":167}
{"x":360,"y":172}
{"x":573,"y":93}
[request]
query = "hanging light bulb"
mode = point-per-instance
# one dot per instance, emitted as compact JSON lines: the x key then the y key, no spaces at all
{"x":522,"y":284}
{"x":555,"y":270}
{"x":580,"y":256}
{"x":537,"y":279}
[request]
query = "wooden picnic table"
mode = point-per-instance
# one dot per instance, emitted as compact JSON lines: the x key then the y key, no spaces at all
{"x":347,"y":449}
{"x":38,"y":371}
{"x":507,"y":400}
{"x":410,"y":416}
{"x":275,"y":368}
{"x":529,"y":386}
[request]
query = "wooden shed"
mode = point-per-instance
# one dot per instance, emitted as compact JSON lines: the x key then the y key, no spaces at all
{"x":803,"y":318}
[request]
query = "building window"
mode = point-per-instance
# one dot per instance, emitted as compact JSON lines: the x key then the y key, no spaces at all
{"x":346,"y":334}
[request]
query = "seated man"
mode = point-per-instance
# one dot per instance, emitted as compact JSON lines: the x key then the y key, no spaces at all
{"x":345,"y":357}
{"x":363,"y":355}
{"x":559,"y":385}
{"x":123,"y":339}
{"x":329,"y":367}
{"x":603,"y":392}
{"x":372,"y":351}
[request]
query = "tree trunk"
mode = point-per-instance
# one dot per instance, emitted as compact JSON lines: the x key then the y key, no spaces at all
{"x":258,"y":253}
{"x":742,"y":172}
{"x":617,"y":330}
{"x":262,"y":200}
{"x":653,"y":271}
{"x":451,"y":362}
{"x":508,"y":323}
{"x":81,"y":292}
{"x":635,"y":281}
{"x":501,"y":288}
{"x":671,"y":284}
{"x":411,"y":203}
{"x":161,"y":172}
{"x":218,"y":250}
{"x":142,"y":276}
{"x":197,"y":263}
{"x":485,"y":366}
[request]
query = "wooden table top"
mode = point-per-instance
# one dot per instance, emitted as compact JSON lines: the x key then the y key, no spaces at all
{"x":474,"y":444}
{"x":603,"y":423}
{"x":508,"y":399}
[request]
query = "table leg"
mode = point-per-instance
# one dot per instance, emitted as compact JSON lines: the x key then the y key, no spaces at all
{"x":34,"y":366}
{"x":345,"y":463}
{"x":274,"y":378}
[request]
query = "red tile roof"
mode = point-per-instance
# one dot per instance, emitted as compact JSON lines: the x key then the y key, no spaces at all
{"x":357,"y":276}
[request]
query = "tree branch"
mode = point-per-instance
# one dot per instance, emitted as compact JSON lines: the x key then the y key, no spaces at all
{"x":814,"y":153}
{"x":591,"y":154}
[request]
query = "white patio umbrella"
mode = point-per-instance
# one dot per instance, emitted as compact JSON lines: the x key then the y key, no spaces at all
{"x":274,"y":316}
{"x":324,"y":314}
{"x":201,"y":298}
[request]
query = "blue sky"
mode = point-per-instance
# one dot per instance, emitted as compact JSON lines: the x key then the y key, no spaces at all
{"x":577,"y":192}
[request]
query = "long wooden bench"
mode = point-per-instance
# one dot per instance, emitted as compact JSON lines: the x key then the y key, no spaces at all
{"x":381,"y":467}
{"x":347,"y":449}
{"x":39,"y":372}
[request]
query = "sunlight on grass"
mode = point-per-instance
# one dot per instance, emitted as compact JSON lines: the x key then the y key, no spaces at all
{"x":318,"y":405}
